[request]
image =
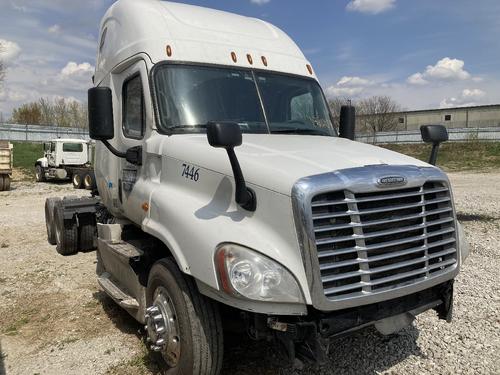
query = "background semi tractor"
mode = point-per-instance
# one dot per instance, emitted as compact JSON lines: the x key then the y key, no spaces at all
{"x":226,"y":197}
{"x":67,"y":159}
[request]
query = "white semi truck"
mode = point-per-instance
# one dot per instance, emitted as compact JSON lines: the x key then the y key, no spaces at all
{"x":227,"y":198}
{"x":67,"y":159}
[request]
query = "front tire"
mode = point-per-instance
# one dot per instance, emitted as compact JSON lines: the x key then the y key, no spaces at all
{"x":6,"y":183}
{"x":192,"y":329}
{"x":39,"y":173}
{"x":77,"y":180}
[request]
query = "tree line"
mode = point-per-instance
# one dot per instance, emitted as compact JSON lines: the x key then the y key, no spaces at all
{"x":56,"y":112}
{"x":374,"y":114}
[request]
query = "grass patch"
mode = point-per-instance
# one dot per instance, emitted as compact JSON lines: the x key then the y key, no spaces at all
{"x":459,"y":156}
{"x":14,"y":328}
{"x":141,"y":363}
{"x":25,"y":156}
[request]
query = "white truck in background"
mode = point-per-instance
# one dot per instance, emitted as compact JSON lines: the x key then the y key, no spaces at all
{"x":67,"y":159}
{"x":6,"y":162}
{"x":226,"y":197}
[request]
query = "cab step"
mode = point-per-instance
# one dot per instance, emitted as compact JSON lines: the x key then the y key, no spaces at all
{"x":123,"y":250}
{"x":123,"y":299}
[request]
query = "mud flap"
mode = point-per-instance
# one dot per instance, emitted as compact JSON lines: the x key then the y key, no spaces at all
{"x":445,"y":309}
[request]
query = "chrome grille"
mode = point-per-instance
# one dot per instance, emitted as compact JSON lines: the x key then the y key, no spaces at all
{"x":372,"y":242}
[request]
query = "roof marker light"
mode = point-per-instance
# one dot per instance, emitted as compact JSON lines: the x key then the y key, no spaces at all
{"x":310,"y":69}
{"x":233,"y":56}
{"x":250,"y":60}
{"x":169,"y":51}
{"x":264,"y":60}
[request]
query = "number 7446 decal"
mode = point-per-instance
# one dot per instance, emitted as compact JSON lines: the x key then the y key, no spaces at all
{"x":190,"y":172}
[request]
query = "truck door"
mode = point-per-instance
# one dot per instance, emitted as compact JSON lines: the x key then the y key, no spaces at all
{"x":51,"y":155}
{"x":136,"y":117}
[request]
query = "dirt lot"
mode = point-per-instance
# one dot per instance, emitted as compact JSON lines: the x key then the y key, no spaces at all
{"x":55,"y":320}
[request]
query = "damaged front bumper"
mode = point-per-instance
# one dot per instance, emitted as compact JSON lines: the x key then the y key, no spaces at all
{"x":310,"y":336}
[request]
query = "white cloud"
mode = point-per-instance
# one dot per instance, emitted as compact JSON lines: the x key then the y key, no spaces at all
{"x":12,"y":96}
{"x":417,"y":79}
{"x":445,"y":69}
{"x":348,"y":81}
{"x":370,"y":6}
{"x":343,"y":91}
{"x":9,"y":51}
{"x":468,"y":97}
{"x":349,"y":86}
{"x":54,"y":29}
{"x":260,"y":2}
{"x":72,"y":69}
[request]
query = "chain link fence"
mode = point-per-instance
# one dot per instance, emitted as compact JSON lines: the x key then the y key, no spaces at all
{"x":413,"y":136}
{"x":37,"y":133}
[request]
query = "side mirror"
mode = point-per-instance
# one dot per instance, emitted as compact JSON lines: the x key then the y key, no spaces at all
{"x":224,"y":135}
{"x":46,"y":147}
{"x":100,"y":104}
{"x":347,"y":123}
{"x":228,"y":136}
{"x":435,"y":134}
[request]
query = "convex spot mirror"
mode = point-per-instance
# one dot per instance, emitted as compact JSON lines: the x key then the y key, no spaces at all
{"x":434,"y":133}
{"x":224,"y":135}
{"x":228,"y":136}
{"x":100,"y":104}
{"x":347,"y":122}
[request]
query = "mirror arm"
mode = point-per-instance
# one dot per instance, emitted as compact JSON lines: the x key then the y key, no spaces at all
{"x":113,"y":150}
{"x":244,"y":196}
{"x":434,"y":153}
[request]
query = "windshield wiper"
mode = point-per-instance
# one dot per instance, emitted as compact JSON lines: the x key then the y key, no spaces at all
{"x":187,"y":128}
{"x":300,"y":131}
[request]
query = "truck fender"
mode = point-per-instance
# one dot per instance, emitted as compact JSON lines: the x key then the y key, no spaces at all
{"x":151,"y":227}
{"x":43,"y":162}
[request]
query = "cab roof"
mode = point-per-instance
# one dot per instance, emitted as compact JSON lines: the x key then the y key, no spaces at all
{"x":193,"y":34}
{"x":69,"y":140}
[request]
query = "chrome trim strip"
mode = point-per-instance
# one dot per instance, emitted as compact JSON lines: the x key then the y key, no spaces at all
{"x":363,"y":180}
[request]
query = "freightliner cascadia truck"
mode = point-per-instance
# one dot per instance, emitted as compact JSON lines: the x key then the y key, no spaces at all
{"x":226,"y":197}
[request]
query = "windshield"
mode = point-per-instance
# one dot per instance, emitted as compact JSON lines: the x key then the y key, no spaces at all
{"x":189,"y":97}
{"x":72,"y":147}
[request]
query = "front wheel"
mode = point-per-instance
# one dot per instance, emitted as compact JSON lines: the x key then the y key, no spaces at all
{"x":6,"y":182}
{"x":39,"y":174}
{"x":77,"y":180}
{"x":182,"y":325}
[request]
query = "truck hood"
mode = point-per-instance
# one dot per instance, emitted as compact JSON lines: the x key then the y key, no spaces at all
{"x":277,"y":161}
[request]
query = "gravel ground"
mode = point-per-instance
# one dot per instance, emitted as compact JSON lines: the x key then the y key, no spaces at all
{"x":55,"y":320}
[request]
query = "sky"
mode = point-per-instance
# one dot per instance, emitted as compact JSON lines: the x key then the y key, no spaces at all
{"x":422,"y":53}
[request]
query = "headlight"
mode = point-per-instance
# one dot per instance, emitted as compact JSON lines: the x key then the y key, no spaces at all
{"x":243,"y":272}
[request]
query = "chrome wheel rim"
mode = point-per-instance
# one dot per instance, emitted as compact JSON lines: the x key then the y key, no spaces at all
{"x":162,"y":327}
